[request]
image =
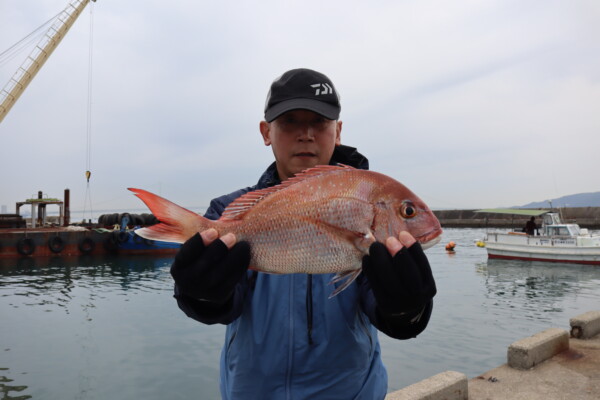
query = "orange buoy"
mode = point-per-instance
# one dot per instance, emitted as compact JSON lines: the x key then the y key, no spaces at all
{"x":450,"y":246}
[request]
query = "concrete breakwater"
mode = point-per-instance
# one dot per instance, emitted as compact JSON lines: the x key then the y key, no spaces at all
{"x":586,"y":217}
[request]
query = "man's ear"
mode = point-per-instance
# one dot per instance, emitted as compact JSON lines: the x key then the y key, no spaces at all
{"x":265,"y":131}
{"x":338,"y":133}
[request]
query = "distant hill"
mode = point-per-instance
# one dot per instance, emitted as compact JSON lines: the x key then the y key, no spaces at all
{"x":573,"y":200}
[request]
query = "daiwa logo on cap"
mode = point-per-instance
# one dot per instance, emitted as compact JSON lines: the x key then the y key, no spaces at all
{"x":302,"y":89}
{"x":322,"y":88}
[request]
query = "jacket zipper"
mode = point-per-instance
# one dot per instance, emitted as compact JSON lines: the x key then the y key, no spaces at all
{"x":309,"y":308}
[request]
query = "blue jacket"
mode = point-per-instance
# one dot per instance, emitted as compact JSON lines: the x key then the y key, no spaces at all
{"x":286,"y":339}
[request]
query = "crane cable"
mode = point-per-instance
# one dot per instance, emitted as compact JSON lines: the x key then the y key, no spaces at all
{"x":88,"y":150}
{"x":22,"y":44}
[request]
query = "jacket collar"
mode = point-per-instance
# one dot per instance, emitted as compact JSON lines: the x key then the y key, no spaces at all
{"x":341,"y":155}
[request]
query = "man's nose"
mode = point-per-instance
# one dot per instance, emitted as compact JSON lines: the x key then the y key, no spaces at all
{"x":306,"y":133}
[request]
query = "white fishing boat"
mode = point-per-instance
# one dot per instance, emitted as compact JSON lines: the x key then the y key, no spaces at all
{"x":555,"y":241}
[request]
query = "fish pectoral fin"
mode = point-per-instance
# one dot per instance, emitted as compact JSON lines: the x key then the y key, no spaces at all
{"x":364,"y":242}
{"x":347,"y":277}
{"x":361,"y":240}
{"x":348,"y":218}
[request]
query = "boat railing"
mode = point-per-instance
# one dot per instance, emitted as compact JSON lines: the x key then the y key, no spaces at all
{"x":519,"y":237}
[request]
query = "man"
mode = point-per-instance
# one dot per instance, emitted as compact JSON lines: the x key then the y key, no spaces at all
{"x":530,"y":226}
{"x":285,"y":338}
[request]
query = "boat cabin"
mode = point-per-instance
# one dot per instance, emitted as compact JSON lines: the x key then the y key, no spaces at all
{"x":39,"y":215}
{"x":553,"y":226}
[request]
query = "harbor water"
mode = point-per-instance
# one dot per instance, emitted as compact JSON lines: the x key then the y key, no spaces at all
{"x":109,"y":328}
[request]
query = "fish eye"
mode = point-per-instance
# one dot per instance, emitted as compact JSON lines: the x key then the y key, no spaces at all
{"x":408,"y":210}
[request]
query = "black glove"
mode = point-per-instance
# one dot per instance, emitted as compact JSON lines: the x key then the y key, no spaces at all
{"x":401,"y":284}
{"x":210,"y":272}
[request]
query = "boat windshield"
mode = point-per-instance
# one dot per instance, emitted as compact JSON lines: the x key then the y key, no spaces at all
{"x":558,"y":231}
{"x":551,"y":219}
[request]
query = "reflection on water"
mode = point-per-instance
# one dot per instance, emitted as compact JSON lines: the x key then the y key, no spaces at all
{"x":537,"y":287}
{"x":9,"y":391}
{"x":550,"y":271}
{"x":51,"y":281}
{"x":96,"y":318}
{"x":113,"y":327}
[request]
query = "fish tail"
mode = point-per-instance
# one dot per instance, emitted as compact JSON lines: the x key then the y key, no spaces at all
{"x":177,"y":224}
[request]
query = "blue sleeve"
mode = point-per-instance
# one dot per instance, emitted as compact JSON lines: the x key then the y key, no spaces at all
{"x":216,"y":208}
{"x":403,"y":326}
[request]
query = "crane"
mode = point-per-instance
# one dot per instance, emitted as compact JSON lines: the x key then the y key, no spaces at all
{"x":36,"y":59}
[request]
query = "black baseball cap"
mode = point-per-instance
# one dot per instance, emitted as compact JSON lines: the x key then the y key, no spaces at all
{"x":304,"y":89}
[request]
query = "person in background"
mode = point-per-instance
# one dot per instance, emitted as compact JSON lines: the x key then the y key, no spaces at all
{"x":530,"y":226}
{"x":285,"y":338}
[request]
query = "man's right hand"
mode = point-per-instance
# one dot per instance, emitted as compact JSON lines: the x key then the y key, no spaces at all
{"x":208,"y":267}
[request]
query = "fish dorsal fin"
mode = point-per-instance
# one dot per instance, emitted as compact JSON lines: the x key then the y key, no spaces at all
{"x":240,"y":206}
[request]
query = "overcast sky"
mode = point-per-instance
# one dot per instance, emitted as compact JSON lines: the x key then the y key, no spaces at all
{"x":468,"y":103}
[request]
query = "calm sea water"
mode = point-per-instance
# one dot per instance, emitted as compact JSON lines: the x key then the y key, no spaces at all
{"x":108,"y":328}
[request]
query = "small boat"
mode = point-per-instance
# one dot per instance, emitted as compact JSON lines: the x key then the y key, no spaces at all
{"x":555,"y":241}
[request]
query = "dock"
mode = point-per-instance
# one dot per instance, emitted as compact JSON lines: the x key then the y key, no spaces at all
{"x":553,"y":364}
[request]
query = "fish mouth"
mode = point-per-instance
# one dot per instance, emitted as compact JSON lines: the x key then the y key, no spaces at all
{"x":430,"y":238}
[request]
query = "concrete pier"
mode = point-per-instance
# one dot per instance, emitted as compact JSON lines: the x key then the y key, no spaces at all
{"x":545,"y":366}
{"x":527,"y":353}
{"x":449,"y":385}
{"x":585,"y":326}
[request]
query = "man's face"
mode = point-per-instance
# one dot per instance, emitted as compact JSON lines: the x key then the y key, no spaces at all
{"x":301,"y":139}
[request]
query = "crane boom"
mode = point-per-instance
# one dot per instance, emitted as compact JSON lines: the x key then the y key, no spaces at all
{"x":42,"y":51}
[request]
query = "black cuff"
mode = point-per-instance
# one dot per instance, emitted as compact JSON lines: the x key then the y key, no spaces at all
{"x":404,"y":325}
{"x":204,"y":311}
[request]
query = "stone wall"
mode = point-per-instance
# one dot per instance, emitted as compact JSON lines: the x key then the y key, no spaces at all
{"x":586,"y":217}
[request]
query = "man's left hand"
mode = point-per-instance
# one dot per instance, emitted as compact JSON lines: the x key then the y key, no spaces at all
{"x":400,"y":275}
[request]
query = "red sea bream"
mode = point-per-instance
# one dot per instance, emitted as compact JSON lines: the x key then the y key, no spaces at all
{"x":323,"y":220}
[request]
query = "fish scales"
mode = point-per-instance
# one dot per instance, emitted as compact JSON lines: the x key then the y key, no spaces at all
{"x":310,"y":230}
